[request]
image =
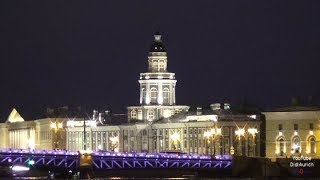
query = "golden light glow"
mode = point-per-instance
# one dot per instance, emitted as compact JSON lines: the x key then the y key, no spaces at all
{"x":207,"y":134}
{"x":253,"y":131}
{"x":218,"y":131}
{"x":175,"y":136}
{"x":60,"y":125}
{"x":239,"y":132}
{"x":53,"y":125}
{"x":311,"y":132}
{"x":213,"y":131}
{"x":280,"y":133}
{"x":295,"y":133}
{"x":114,"y":139}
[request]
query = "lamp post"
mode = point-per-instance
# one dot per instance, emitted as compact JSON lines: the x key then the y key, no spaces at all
{"x":207,"y":135}
{"x":218,"y":133}
{"x":72,"y":123}
{"x":175,"y":137}
{"x":56,"y":126}
{"x":239,"y":133}
{"x":253,"y":132}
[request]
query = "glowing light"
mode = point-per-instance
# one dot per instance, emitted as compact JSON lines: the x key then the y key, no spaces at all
{"x":212,"y":131}
{"x":218,"y":131}
{"x":53,"y":125}
{"x":207,"y":134}
{"x":60,"y":125}
{"x":239,"y":132}
{"x":253,"y":131}
{"x":114,"y":140}
{"x":147,"y":77}
{"x":295,"y":133}
{"x":160,"y":77}
{"x":71,"y":123}
{"x":166,"y":113}
{"x":20,"y":168}
{"x":100,"y":147}
{"x":175,"y":136}
{"x":311,"y":132}
{"x":31,"y":162}
{"x":280,"y":133}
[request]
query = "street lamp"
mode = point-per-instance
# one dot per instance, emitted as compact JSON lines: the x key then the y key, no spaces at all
{"x":114,"y":142}
{"x":207,"y":134}
{"x":239,"y":133}
{"x":56,"y":126}
{"x":253,"y":132}
{"x":175,"y":137}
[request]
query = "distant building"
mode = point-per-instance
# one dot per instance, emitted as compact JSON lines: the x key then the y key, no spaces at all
{"x":44,"y":133}
{"x":293,"y":131}
{"x":156,"y":125}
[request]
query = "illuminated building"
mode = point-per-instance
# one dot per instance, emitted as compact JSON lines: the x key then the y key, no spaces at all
{"x":156,"y":125}
{"x":157,"y":88}
{"x":292,"y":132}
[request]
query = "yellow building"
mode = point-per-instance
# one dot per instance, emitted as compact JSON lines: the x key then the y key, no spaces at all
{"x":46,"y":133}
{"x":293,"y":132}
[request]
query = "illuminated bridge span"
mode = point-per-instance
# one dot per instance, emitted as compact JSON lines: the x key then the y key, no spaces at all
{"x":112,"y":160}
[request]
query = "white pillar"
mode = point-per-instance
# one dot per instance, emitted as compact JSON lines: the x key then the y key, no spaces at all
{"x":141,"y":94}
{"x":148,"y":100}
{"x":160,"y":96}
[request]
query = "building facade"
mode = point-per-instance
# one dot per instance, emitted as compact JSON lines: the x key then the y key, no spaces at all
{"x":156,"y":125}
{"x":292,"y":133}
{"x":46,"y":133}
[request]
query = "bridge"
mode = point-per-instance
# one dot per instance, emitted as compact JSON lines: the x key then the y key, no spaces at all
{"x":112,"y":160}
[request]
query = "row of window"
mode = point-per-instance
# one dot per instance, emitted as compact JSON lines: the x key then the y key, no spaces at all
{"x":154,"y":95}
{"x":295,"y":127}
{"x":296,"y":145}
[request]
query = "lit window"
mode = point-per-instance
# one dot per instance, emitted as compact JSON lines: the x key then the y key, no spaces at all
{"x":311,"y":145}
{"x":165,"y":96}
{"x":295,"y":145}
{"x":150,"y":115}
{"x":153,"y":95}
{"x":133,"y":114}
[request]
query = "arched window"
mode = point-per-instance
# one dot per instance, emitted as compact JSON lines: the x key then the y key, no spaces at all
{"x":150,"y":115}
{"x":312,"y":144}
{"x":281,"y":146}
{"x":133,"y":114}
{"x":165,"y":96}
{"x":295,"y":145}
{"x":143,"y":95}
{"x":153,"y":95}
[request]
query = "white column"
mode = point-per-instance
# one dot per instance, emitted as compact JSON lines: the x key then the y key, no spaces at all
{"x":148,"y":94}
{"x":170,"y":94}
{"x":160,"y":96}
{"x":141,"y":94}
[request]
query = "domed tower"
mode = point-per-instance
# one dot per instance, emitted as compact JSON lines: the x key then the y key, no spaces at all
{"x":157,"y":87}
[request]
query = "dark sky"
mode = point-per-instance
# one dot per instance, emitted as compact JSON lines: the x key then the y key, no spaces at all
{"x":91,"y":52}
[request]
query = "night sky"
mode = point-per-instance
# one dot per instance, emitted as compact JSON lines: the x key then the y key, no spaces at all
{"x":91,"y":52}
